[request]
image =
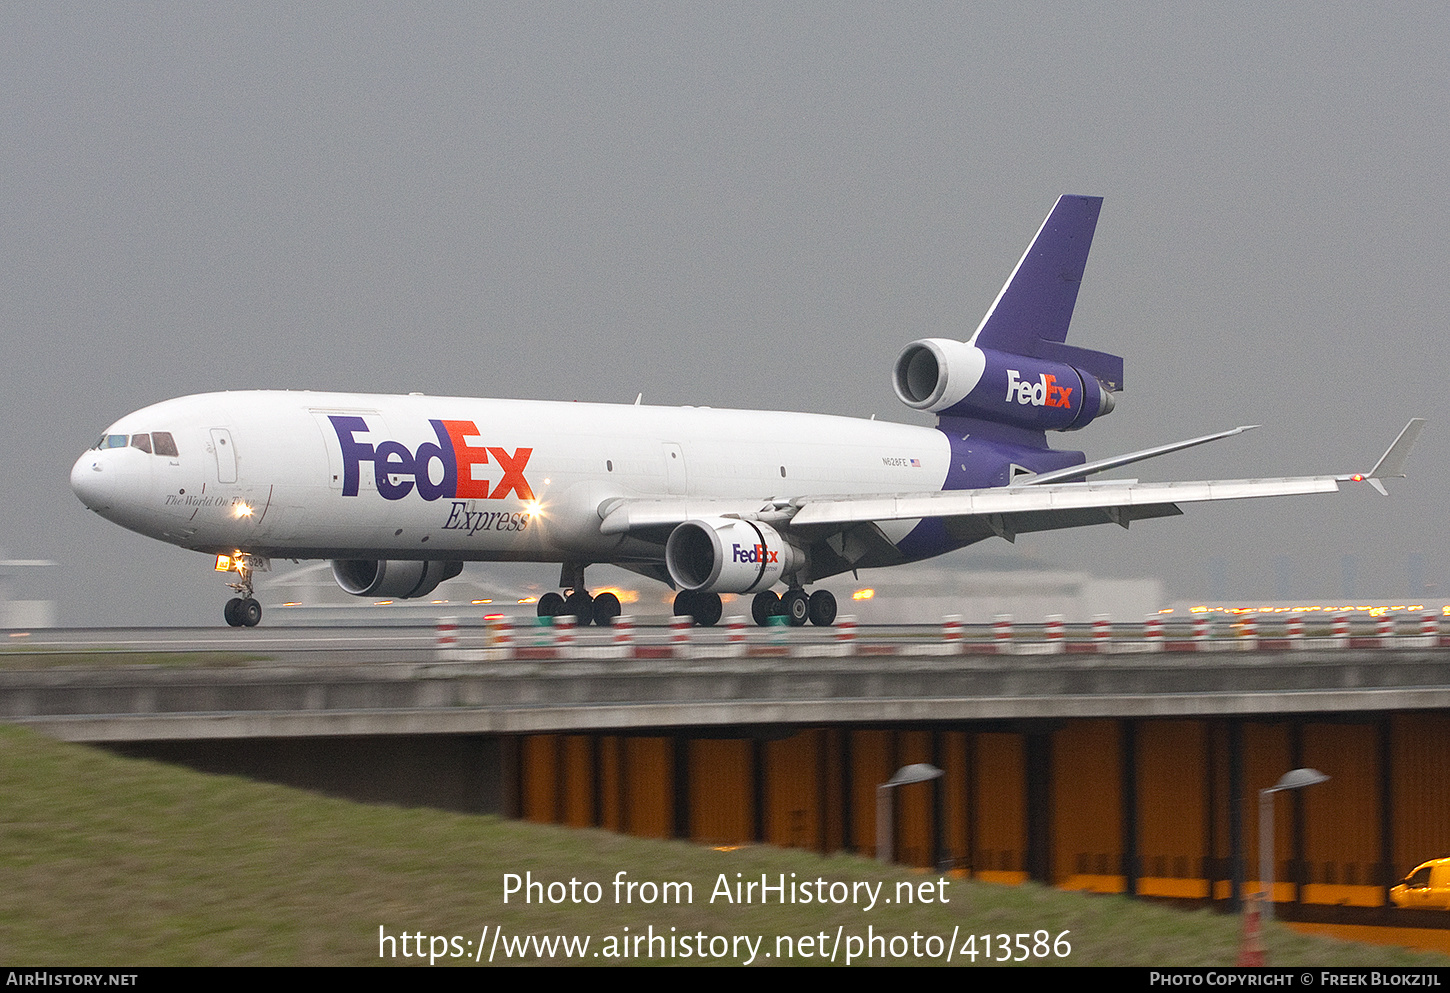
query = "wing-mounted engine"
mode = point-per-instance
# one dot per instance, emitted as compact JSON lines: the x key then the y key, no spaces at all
{"x":400,"y":579}
{"x":729,"y":555}
{"x":958,"y":379}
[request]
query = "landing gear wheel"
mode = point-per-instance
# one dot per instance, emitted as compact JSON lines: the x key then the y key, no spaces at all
{"x":249,"y":613}
{"x":822,"y":608}
{"x":708,"y":609}
{"x":230,"y":612}
{"x":581,"y":605}
{"x":705,"y":608}
{"x":765,"y":606}
{"x":606,"y":609}
{"x":551,"y":605}
{"x":796,"y":607}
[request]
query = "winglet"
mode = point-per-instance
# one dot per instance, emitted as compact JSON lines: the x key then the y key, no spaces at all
{"x":1392,"y":462}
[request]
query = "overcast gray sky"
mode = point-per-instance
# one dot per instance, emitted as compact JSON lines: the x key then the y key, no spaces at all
{"x":743,"y":206}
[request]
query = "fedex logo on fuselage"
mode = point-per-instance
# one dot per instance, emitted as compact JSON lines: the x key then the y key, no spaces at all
{"x":755,"y":553}
{"x":453,"y":454}
{"x":1043,"y":393}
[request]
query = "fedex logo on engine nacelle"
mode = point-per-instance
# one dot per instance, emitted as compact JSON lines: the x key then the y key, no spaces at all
{"x":755,"y":553}
{"x":1043,"y":393}
{"x":453,"y":453}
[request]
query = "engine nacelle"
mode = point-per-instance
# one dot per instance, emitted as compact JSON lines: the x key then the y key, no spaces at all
{"x":726,"y":555}
{"x":400,"y":579}
{"x":955,"y":379}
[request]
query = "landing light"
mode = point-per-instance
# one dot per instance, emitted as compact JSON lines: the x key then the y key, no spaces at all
{"x":863,"y":594}
{"x":242,"y":510}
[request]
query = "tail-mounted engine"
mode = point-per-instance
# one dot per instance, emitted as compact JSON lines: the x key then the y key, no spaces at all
{"x":956,"y":379}
{"x":400,"y":579}
{"x":728,"y":555}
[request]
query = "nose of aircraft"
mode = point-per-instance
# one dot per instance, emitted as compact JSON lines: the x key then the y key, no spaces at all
{"x":91,"y":481}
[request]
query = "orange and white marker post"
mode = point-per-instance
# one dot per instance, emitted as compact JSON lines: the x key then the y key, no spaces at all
{"x":624,"y":636}
{"x":563,"y":636}
{"x":846,"y":635}
{"x":1153,"y":632}
{"x":1386,"y":630}
{"x":680,"y":628}
{"x":951,"y":633}
{"x":1002,"y":634}
{"x":735,"y":637}
{"x":1102,"y":633}
{"x":1249,"y":633}
{"x":1202,"y":630}
{"x":1294,"y":630}
{"x":500,"y":634}
{"x":1339,"y":631}
{"x":1056,"y":633}
{"x":445,"y":644}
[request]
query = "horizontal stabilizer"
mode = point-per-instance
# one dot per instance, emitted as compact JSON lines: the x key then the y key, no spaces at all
{"x":1102,"y":465}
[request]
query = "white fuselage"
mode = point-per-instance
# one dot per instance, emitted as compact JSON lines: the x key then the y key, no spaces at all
{"x":328,"y":475}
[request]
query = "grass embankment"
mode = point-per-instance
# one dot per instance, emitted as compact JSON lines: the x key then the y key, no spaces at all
{"x":112,"y":861}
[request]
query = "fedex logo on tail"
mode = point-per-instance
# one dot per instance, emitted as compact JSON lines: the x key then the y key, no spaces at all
{"x":1043,"y":393}
{"x":452,"y":453}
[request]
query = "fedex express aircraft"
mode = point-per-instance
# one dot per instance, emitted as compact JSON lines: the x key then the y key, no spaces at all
{"x":400,"y":491}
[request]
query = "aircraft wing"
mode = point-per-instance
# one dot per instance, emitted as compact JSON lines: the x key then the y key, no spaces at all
{"x":1010,"y":510}
{"x":1040,"y":505}
{"x":1006,"y":511}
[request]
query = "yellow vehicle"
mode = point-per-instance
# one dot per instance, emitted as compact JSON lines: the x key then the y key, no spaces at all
{"x":1427,"y":888}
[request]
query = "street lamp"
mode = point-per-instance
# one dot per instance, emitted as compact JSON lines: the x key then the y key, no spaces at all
{"x":917,"y":772}
{"x":1295,"y":779}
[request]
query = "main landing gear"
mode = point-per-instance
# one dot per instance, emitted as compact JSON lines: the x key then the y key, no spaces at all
{"x":796,"y":607}
{"x":705,"y":608}
{"x":586,"y":609}
{"x":575,"y":600}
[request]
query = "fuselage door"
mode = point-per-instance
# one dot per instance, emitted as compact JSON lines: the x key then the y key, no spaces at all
{"x":226,"y":456}
{"x":365,"y":426}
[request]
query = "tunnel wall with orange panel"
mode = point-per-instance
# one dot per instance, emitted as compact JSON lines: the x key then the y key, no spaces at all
{"x":1087,"y":807}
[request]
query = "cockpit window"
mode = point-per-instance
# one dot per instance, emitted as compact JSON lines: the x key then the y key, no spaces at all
{"x":165,"y":444}
{"x":141,"y":441}
{"x":112,"y":441}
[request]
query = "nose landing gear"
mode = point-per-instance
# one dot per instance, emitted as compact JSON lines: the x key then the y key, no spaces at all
{"x":242,"y":610}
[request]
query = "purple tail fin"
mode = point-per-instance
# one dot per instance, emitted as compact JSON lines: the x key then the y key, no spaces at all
{"x":1031,"y":315}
